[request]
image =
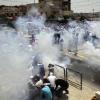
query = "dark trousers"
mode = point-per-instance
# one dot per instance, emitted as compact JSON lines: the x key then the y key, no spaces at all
{"x":60,"y":90}
{"x":53,"y":91}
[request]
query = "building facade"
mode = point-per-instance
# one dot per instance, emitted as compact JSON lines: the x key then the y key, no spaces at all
{"x":52,"y":8}
{"x":55,"y":8}
{"x":12,"y":12}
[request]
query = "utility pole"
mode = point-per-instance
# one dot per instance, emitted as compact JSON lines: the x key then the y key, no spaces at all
{"x":93,"y":14}
{"x":76,"y":43}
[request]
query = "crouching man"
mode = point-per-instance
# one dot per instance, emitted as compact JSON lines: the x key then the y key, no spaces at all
{"x":61,"y":85}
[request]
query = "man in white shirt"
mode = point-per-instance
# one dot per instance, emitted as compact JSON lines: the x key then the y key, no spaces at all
{"x":52,"y":80}
{"x":39,"y":83}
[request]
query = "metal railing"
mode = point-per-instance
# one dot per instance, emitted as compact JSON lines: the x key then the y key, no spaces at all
{"x":64,"y":70}
{"x":77,"y":75}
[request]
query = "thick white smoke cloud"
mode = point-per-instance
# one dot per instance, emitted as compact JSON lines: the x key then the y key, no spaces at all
{"x":88,"y":49}
{"x":49,"y":52}
{"x":94,"y":27}
{"x":15,"y":57}
{"x":16,"y":54}
{"x":34,"y":23}
{"x":72,"y":34}
{"x":90,"y":54}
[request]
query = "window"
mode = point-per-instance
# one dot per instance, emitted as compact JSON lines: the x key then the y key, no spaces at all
{"x":65,"y":3}
{"x":65,"y":7}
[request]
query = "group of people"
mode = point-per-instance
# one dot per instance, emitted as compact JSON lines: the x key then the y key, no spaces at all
{"x":50,"y":86}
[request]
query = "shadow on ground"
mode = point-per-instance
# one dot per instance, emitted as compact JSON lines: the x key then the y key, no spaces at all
{"x":63,"y":97}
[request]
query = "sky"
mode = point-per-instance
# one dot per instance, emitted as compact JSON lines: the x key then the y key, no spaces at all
{"x":76,"y":5}
{"x":17,"y":2}
{"x":85,"y":5}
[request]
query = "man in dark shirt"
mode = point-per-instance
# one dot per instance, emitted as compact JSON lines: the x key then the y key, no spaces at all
{"x":41,"y":70}
{"x":61,"y":85}
{"x":57,"y":38}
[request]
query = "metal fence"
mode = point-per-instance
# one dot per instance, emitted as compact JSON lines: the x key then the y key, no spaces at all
{"x":73,"y":77}
{"x":60,"y":71}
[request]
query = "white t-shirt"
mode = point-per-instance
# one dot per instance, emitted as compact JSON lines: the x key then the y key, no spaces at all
{"x":52,"y":80}
{"x":39,"y":83}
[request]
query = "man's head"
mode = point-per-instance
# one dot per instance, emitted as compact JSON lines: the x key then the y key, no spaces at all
{"x":35,"y":78}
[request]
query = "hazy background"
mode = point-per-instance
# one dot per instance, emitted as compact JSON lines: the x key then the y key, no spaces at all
{"x":85,"y":5}
{"x":76,"y":5}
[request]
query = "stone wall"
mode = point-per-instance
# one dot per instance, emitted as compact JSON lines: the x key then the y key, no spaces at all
{"x":55,"y":8}
{"x":14,"y":11}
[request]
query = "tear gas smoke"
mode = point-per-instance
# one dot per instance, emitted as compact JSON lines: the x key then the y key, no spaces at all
{"x":85,"y":38}
{"x":74,"y":35}
{"x":15,"y":57}
{"x":16,"y":54}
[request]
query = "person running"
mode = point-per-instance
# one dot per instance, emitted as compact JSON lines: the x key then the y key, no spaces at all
{"x":57,"y":38}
